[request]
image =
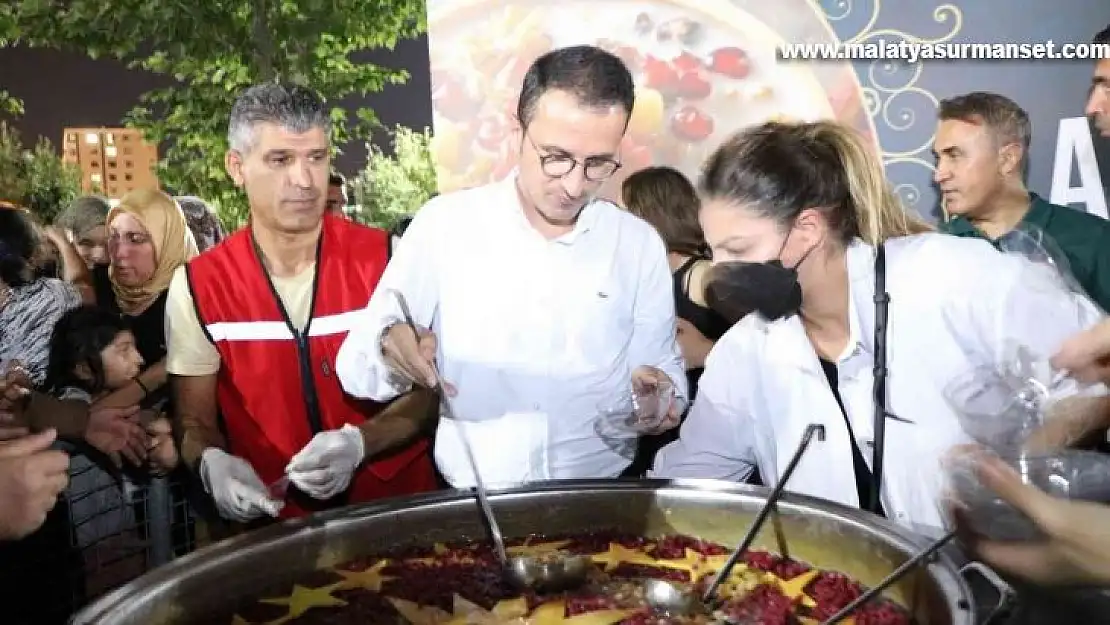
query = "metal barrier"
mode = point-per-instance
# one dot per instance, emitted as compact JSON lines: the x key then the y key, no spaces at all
{"x":106,"y":530}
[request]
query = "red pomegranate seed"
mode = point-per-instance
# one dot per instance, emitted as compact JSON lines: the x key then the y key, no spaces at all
{"x":731,"y":62}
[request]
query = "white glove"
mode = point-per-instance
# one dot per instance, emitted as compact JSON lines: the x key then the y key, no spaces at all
{"x":237,"y":490}
{"x":323,"y":469}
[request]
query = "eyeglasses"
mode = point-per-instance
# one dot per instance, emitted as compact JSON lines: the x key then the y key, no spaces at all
{"x":594,"y":168}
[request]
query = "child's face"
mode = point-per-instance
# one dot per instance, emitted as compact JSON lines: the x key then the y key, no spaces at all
{"x":122,"y":361}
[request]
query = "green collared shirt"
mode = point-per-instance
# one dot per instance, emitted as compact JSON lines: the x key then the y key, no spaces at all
{"x":1083,"y":238}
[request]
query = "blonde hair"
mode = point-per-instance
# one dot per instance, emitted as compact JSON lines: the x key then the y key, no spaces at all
{"x":781,"y":169}
{"x":173,"y":244}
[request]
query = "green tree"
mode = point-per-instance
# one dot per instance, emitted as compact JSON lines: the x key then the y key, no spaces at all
{"x":393,"y":186}
{"x":10,"y":106}
{"x":37,"y":178}
{"x":209,"y":50}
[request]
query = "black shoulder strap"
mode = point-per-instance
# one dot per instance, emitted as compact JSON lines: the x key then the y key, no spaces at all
{"x":882,"y":309}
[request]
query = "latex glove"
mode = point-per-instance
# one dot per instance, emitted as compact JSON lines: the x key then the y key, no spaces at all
{"x":323,"y":469}
{"x":237,"y":490}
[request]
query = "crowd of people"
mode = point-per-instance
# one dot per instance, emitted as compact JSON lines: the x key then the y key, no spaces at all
{"x":275,"y":372}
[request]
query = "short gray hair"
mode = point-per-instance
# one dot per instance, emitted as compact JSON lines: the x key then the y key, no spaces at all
{"x":292,"y":107}
{"x":1008,"y":122}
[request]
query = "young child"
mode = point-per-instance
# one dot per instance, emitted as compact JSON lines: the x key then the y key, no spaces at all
{"x":92,"y":354}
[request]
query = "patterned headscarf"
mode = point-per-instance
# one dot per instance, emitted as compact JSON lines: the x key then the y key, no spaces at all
{"x":202,"y":221}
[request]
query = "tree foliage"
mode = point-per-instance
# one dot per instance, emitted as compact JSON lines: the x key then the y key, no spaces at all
{"x":209,"y":50}
{"x":393,"y":186}
{"x":36,"y":178}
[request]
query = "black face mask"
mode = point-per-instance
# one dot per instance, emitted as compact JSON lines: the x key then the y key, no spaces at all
{"x":736,"y":288}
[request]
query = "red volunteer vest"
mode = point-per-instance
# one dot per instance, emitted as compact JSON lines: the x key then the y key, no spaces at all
{"x":276,"y":388}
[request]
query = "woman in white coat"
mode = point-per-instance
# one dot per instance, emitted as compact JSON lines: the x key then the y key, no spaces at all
{"x":796,"y":216}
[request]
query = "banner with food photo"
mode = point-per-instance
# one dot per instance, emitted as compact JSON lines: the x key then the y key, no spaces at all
{"x":703,"y":69}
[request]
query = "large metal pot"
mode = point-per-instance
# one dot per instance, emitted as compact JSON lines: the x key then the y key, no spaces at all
{"x":213,"y":580}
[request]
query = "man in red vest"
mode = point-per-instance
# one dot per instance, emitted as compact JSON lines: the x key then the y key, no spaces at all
{"x":254,"y":324}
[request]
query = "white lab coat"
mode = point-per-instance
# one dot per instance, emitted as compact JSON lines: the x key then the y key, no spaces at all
{"x":954,"y":303}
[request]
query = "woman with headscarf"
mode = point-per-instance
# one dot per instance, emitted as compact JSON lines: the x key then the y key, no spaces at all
{"x":148,"y":238}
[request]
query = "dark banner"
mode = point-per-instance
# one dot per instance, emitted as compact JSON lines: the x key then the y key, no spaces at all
{"x":705,"y":68}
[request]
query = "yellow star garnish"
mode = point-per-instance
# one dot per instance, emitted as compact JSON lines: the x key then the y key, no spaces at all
{"x":554,"y":613}
{"x":469,"y":613}
{"x":687,"y":563}
{"x":548,"y":614}
{"x":418,"y":614}
{"x":698,"y":564}
{"x":794,"y":589}
{"x":370,"y":578}
{"x":537,"y":549}
{"x":619,"y":554}
{"x":601,"y":617}
{"x":510,"y":608}
{"x":303,"y":599}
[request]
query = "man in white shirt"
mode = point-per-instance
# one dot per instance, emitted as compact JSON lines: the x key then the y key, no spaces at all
{"x":537,"y":302}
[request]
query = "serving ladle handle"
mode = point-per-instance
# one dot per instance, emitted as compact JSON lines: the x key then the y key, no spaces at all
{"x":812,"y":430}
{"x":479,"y":487}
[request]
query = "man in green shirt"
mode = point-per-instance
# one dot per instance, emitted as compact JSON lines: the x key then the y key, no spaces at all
{"x":982,"y":146}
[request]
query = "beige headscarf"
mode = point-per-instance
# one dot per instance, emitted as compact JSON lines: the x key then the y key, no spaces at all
{"x":173,"y":244}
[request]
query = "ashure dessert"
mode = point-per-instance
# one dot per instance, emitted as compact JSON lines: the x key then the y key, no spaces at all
{"x":461,"y":584}
{"x":700,"y":76}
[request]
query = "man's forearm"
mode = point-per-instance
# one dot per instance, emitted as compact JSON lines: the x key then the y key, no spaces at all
{"x":196,"y":412}
{"x":69,"y":417}
{"x":150,"y":380}
{"x":400,"y":422}
{"x":195,"y":438}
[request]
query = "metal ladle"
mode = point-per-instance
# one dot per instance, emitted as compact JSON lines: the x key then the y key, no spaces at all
{"x":673,"y":600}
{"x":549,"y":572}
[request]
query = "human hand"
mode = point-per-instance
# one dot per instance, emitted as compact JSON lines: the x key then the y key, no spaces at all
{"x":1086,"y":356}
{"x":323,"y":469}
{"x":162,"y":456}
{"x":651,"y":385}
{"x":694,"y":345}
{"x":56,"y":235}
{"x":31,"y":478}
{"x":15,"y":387}
{"x":412,"y":355}
{"x":1076,"y":547}
{"x":117,"y":432}
{"x":1068,"y":422}
{"x":236,"y":489}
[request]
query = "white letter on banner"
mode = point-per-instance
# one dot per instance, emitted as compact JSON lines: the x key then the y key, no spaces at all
{"x":1073,"y":144}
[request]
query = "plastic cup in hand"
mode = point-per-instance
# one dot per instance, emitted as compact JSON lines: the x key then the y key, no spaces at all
{"x":1070,"y":474}
{"x":995,"y":409}
{"x":627,"y":416}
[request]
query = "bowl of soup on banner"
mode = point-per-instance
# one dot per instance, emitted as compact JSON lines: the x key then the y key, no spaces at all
{"x":703,"y":70}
